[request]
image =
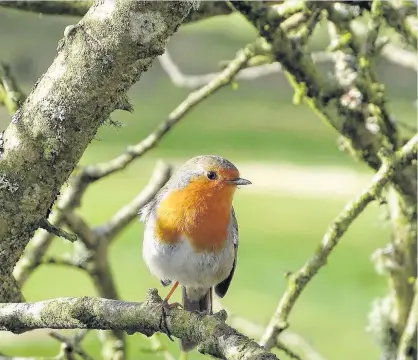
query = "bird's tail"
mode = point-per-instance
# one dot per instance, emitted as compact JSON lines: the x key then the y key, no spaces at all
{"x":203,"y":304}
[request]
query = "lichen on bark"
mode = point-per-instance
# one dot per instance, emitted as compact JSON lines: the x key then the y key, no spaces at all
{"x":98,"y":60}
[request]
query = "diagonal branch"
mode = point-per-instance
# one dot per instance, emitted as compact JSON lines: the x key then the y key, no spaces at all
{"x":109,"y":231}
{"x":98,"y":60}
{"x":288,"y":342}
{"x":46,"y":225}
{"x":180,"y":79}
{"x":326,"y":100}
{"x":10,"y":94}
{"x":210,"y":332}
{"x":40,"y":243}
{"x":299,"y":280}
{"x":408,"y":343}
{"x":73,"y":7}
{"x":80,"y":7}
{"x":395,"y":17}
{"x":80,"y":227}
{"x":224,"y":78}
{"x":71,"y":345}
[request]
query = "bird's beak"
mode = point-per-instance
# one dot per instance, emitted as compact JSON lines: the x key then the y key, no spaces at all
{"x":240,"y":181}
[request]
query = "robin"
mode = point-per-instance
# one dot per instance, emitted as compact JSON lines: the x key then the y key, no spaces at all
{"x":191,"y":233}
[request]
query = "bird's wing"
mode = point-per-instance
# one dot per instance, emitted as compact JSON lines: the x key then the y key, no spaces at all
{"x":222,"y":288}
{"x":146,"y":211}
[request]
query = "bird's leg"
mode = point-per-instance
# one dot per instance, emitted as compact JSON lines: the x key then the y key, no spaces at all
{"x":165,"y":307}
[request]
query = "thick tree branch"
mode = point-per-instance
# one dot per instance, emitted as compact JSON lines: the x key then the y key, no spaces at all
{"x":354,"y":70}
{"x":99,"y":59}
{"x":326,"y":100}
{"x":72,"y":8}
{"x":210,"y":332}
{"x":80,"y":8}
{"x":299,"y":280}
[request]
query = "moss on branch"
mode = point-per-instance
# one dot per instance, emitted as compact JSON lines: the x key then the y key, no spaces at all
{"x":210,"y":332}
{"x":324,"y":99}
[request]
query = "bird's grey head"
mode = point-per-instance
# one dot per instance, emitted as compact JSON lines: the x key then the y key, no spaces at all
{"x":210,"y":167}
{"x":211,"y":171}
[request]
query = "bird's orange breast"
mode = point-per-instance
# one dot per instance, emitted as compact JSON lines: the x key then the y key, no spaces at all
{"x":201,"y":212}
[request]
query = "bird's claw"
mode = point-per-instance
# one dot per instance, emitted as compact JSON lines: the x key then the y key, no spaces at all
{"x":165,"y":308}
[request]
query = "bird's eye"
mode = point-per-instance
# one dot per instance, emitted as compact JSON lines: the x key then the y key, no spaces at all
{"x":211,"y":175}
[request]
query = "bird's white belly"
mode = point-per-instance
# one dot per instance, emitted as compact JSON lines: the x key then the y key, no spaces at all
{"x":180,"y":262}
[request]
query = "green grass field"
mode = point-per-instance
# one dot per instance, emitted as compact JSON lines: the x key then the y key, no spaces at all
{"x":278,"y":232}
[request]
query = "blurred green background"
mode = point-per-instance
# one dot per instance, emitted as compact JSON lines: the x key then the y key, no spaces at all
{"x":279,"y":228}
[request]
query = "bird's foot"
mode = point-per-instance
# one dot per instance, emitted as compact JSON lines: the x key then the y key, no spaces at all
{"x":165,"y":309}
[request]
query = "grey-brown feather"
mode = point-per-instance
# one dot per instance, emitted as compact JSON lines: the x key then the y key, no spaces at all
{"x":222,"y":288}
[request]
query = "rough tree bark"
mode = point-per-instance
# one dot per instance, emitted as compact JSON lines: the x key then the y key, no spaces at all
{"x":79,"y":8}
{"x":210,"y":332}
{"x":97,"y":62}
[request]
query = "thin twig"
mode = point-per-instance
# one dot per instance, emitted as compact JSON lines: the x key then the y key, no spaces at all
{"x":71,"y":345}
{"x":399,"y":22}
{"x":224,"y":78}
{"x":11,"y":95}
{"x":127,"y":213}
{"x":40,"y":243}
{"x":299,"y":280}
{"x":182,"y":80}
{"x":81,"y":228}
{"x":408,"y":344}
{"x":63,"y":261}
{"x":46,"y":225}
{"x":288,"y":340}
{"x":158,"y":347}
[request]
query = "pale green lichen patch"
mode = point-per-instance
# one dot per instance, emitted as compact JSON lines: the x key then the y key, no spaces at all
{"x":8,"y":185}
{"x":146,"y":26}
{"x":104,"y":10}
